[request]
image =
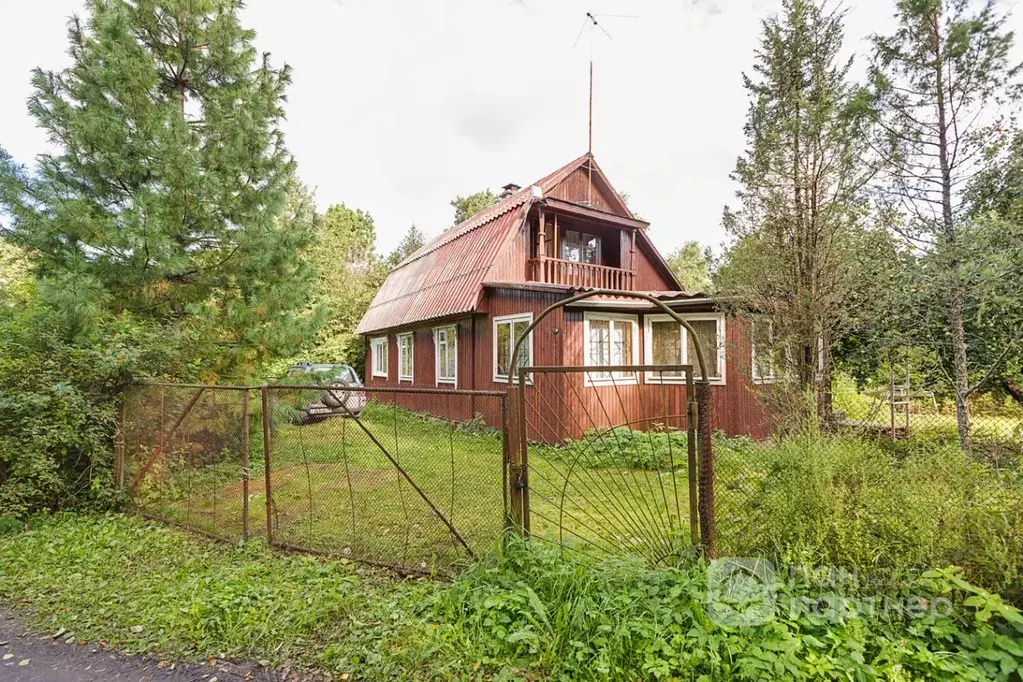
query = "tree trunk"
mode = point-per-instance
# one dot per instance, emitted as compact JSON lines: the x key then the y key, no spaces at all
{"x":1014,"y":390}
{"x":949,"y":240}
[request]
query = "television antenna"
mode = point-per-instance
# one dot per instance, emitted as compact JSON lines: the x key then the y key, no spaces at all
{"x":591,"y":21}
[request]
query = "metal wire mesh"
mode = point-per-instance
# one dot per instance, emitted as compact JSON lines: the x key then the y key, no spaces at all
{"x":414,"y":479}
{"x":883,"y":490}
{"x":609,"y":460}
{"x":186,"y":457}
{"x":409,"y":479}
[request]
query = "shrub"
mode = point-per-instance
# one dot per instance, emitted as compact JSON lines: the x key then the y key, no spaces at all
{"x":655,"y":449}
{"x":850,"y":503}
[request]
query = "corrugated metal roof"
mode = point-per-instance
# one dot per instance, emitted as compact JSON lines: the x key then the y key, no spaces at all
{"x":445,"y":276}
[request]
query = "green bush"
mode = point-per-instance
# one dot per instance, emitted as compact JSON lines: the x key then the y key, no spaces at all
{"x":58,"y":406}
{"x":655,"y":449}
{"x":850,"y":503}
{"x":530,"y":610}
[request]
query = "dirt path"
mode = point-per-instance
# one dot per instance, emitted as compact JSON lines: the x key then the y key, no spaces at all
{"x":37,"y":657}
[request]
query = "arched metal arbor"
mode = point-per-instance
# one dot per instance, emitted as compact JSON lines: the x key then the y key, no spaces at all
{"x":601,"y":484}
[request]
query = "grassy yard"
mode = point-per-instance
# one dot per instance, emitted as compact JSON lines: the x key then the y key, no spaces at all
{"x":335,"y":488}
{"x":523,"y":614}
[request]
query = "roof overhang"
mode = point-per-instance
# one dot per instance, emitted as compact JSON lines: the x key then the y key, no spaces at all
{"x":587,"y":213}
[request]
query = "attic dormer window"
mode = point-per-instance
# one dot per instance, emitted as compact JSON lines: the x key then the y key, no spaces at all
{"x":580,"y":247}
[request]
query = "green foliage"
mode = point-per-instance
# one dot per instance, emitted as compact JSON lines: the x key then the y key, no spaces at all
{"x":58,"y":405}
{"x":691,"y":265}
{"x":843,"y":501}
{"x":409,"y":244}
{"x":524,"y":613}
{"x":349,"y":274}
{"x":467,"y":207}
{"x":656,"y":449}
{"x":163,"y":197}
{"x":802,"y":247}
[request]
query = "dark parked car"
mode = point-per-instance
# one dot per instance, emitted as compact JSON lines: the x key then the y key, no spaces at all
{"x":343,"y":395}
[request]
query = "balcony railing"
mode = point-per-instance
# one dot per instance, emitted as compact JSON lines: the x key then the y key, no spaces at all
{"x":573,"y":273}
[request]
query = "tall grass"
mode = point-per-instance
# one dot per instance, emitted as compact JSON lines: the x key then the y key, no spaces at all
{"x":852,"y":503}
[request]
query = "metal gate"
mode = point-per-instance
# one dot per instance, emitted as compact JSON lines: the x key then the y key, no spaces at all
{"x":613,"y":459}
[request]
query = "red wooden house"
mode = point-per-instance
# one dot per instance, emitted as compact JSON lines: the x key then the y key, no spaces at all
{"x":448,"y":316}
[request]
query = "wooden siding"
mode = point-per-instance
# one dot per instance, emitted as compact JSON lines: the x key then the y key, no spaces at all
{"x":559,"y":405}
{"x":648,"y":276}
{"x":574,"y":189}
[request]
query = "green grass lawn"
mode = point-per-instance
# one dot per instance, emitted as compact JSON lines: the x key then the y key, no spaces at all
{"x":335,"y":488}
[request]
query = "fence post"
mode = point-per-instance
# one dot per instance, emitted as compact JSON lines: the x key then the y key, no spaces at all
{"x":505,"y":459}
{"x":707,"y":525}
{"x":245,"y":465}
{"x":264,"y":394}
{"x":120,"y":445}
{"x":694,"y":495}
{"x":518,"y":477}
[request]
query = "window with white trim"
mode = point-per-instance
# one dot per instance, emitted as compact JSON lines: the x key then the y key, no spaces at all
{"x":378,"y":353}
{"x":608,"y":340}
{"x":765,"y":356}
{"x":406,"y":354}
{"x":507,"y":330}
{"x":580,"y":247}
{"x":666,"y":342}
{"x":445,"y":343}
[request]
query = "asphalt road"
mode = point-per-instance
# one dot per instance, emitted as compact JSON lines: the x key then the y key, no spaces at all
{"x":41,"y":657}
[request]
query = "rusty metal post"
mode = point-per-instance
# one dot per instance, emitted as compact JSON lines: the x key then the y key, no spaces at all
{"x":120,"y":445}
{"x":245,"y":465}
{"x":266,"y":464}
{"x":694,"y":495}
{"x":505,"y":459}
{"x":706,"y":455}
{"x":519,"y":478}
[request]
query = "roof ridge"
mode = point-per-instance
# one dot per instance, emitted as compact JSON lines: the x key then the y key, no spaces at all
{"x":492,"y":212}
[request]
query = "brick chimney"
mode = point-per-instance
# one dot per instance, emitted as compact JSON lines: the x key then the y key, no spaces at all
{"x":508,"y":190}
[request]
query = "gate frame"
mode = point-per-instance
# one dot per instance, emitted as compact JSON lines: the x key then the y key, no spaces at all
{"x":702,"y":461}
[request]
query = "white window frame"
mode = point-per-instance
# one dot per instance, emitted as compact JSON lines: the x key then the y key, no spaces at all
{"x":451,"y":332}
{"x":504,"y":319}
{"x":648,"y":344}
{"x":621,"y":379}
{"x":410,"y":337}
{"x":375,"y":345}
{"x":754,"y":374}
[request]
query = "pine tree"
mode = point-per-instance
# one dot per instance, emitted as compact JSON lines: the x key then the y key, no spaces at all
{"x":797,"y":231}
{"x":165,"y":196}
{"x":938,"y":83}
{"x":409,"y":244}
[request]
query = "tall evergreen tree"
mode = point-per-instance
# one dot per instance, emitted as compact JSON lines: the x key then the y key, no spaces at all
{"x":409,"y":244}
{"x":467,"y":207}
{"x":349,"y":275}
{"x":938,"y":83}
{"x":797,"y":231}
{"x":163,"y":199}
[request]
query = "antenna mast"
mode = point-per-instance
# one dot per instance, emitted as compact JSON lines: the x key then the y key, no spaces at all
{"x":591,"y":21}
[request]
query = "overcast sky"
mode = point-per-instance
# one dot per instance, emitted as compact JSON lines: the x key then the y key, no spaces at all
{"x":399,"y":105}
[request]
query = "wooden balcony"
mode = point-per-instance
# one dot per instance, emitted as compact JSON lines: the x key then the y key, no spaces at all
{"x":573,"y":273}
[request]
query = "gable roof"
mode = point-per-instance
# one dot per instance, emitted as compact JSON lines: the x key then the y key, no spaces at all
{"x":444,"y":277}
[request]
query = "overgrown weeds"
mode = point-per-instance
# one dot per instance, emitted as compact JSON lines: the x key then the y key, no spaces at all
{"x":526,"y":613}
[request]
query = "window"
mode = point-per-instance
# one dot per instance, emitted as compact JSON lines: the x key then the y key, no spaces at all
{"x":765,"y":357}
{"x":445,"y":343}
{"x":610,"y":340}
{"x":405,"y":357}
{"x":669,"y":343}
{"x":378,"y":352}
{"x":580,"y":247}
{"x":507,"y":330}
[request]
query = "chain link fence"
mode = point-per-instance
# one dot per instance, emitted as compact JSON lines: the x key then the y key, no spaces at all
{"x":886,"y":490}
{"x":409,"y":479}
